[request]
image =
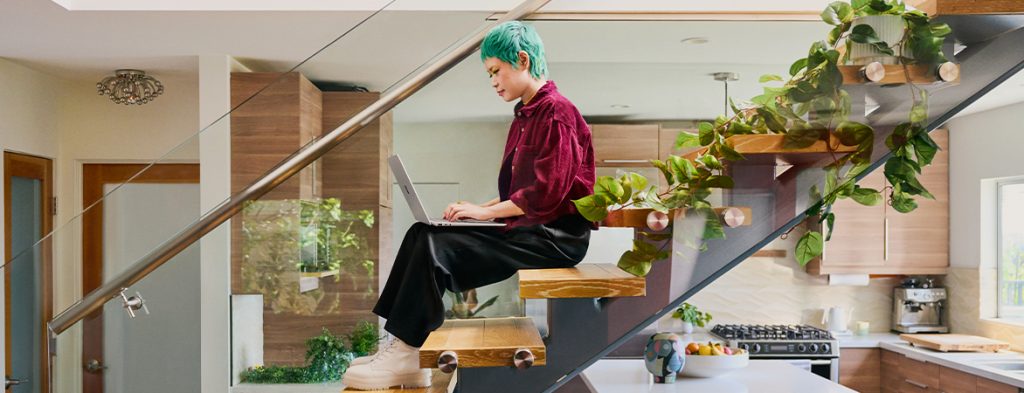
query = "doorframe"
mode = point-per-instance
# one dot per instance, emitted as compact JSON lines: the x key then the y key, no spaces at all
{"x":40,"y":168}
{"x":94,"y":177}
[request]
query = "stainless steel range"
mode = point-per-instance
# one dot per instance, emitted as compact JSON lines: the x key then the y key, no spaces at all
{"x":802,"y":345}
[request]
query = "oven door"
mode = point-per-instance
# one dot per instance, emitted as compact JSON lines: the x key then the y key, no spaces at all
{"x":825,"y":368}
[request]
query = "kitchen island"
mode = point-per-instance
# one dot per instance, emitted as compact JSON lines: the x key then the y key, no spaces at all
{"x":761,"y":376}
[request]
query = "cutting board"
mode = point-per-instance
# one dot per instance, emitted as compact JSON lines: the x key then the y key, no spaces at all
{"x":954,"y":342}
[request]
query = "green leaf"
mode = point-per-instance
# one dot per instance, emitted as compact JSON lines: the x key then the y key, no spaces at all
{"x":801,"y":137}
{"x":831,"y":180}
{"x":924,"y":148}
{"x":903,"y":202}
{"x":710,"y":162}
{"x":772,"y":119}
{"x":919,"y":112}
{"x":633,"y":263}
{"x":851,"y":133}
{"x":718,"y":182}
{"x":865,"y":34}
{"x":866,"y":196}
{"x":769,"y":77}
{"x":858,"y":4}
{"x":706,"y":133}
{"x":713,"y":228}
{"x":687,"y":140}
{"x":738,"y":127}
{"x":730,"y":154}
{"x":880,"y":6}
{"x":797,"y":66}
{"x":610,"y":187}
{"x":682,"y":168}
{"x":837,"y":13}
{"x":639,"y":181}
{"x":940,"y":29}
{"x":809,"y":247}
{"x":592,"y":208}
{"x":664,"y":168}
{"x":830,"y":222}
{"x":837,"y":32}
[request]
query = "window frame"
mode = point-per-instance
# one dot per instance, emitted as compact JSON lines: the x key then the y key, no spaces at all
{"x":1006,"y":312}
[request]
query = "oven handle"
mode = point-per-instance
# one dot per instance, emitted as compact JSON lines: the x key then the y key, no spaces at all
{"x":821,"y":362}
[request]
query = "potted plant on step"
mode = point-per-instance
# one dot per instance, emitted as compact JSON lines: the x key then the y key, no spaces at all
{"x":690,"y":316}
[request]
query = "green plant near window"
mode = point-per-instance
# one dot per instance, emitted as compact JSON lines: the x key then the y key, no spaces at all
{"x":327,"y":358}
{"x":281,"y":238}
{"x":810,"y":106}
{"x":690,"y":313}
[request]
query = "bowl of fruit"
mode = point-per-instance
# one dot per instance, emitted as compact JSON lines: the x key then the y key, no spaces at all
{"x":712,"y":359}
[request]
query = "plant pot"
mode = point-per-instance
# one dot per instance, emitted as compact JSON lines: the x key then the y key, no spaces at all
{"x":687,"y":328}
{"x":888,"y":28}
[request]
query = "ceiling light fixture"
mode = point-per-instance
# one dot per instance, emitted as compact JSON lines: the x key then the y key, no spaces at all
{"x":130,"y":87}
{"x":620,"y":106}
{"x":694,"y":40}
{"x":725,"y":78}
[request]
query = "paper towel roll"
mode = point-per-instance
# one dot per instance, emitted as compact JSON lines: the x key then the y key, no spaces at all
{"x":848,"y":279}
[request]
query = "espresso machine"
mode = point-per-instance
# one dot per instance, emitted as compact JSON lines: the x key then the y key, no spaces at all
{"x":918,"y":307}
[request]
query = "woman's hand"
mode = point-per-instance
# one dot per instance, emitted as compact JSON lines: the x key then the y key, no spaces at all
{"x":463,"y":210}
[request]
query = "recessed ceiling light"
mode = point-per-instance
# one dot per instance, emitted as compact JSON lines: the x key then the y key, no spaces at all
{"x":620,"y":106}
{"x":694,"y":40}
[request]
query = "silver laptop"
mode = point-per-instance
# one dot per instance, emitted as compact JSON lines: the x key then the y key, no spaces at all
{"x":418,"y":212}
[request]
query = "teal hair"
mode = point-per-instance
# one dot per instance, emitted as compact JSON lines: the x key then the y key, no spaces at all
{"x":507,"y":39}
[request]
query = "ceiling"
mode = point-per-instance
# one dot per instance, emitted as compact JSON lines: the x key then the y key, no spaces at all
{"x":596,"y":64}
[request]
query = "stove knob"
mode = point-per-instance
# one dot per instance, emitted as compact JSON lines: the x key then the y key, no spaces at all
{"x":803,"y":348}
{"x":825,"y":348}
{"x":745,"y":347}
{"x":814,"y":348}
{"x":756,"y":349}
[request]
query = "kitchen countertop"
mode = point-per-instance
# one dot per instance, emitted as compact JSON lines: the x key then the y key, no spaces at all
{"x":976,"y":363}
{"x":872,"y":340}
{"x":761,"y":376}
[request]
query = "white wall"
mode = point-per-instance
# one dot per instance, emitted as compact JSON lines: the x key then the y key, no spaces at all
{"x":93,"y":129}
{"x":28,"y":124}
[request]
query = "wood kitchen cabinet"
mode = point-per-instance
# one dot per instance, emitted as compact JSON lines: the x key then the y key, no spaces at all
{"x":901,"y":374}
{"x":860,"y":369}
{"x":625,"y":145}
{"x":880,"y":240}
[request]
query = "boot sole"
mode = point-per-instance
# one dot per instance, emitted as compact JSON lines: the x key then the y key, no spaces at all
{"x":419,"y":379}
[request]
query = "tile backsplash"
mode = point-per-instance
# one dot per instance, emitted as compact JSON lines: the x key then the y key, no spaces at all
{"x":779,"y":291}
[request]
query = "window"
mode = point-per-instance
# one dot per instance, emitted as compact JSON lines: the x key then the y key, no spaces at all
{"x":1010,"y":247}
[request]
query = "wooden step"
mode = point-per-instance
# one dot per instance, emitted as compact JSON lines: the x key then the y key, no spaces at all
{"x":586,"y":280}
{"x":637,"y":218}
{"x":761,"y":149}
{"x":489,"y":342}
{"x":968,"y":7}
{"x":439,"y":383}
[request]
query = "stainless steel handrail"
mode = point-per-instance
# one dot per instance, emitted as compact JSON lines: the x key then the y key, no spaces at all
{"x":279,"y":174}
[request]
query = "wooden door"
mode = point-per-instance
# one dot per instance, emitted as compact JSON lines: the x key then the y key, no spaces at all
{"x":40,"y":169}
{"x":920,"y":239}
{"x":95,"y":177}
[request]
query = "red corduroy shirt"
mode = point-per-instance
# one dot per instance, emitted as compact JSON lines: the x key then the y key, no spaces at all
{"x":548,"y":160}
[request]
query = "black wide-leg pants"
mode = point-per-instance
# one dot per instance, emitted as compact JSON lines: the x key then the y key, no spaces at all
{"x":432,"y":259}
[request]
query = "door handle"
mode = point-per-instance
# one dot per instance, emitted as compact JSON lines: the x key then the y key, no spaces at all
{"x":94,"y":366}
{"x":9,"y":382}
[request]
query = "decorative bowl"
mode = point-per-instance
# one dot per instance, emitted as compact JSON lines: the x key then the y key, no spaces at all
{"x":709,"y":366}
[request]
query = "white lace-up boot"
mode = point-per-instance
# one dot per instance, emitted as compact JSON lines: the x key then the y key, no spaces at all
{"x":368,"y":358}
{"x":395,"y":364}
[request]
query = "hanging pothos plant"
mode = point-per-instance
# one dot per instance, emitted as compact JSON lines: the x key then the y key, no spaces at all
{"x":811,"y":106}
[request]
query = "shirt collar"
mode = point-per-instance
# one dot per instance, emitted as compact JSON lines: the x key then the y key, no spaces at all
{"x":528,"y":109}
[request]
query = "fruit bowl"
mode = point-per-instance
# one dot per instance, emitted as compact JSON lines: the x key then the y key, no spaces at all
{"x":708,"y":366}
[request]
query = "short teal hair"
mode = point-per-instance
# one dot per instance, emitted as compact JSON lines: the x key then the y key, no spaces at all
{"x":507,"y":39}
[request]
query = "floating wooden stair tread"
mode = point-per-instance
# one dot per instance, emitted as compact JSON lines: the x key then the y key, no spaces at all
{"x":770,"y":148}
{"x":483,"y":342}
{"x":637,"y":218}
{"x":895,"y":74}
{"x":439,"y":383}
{"x":586,"y":280}
{"x":968,"y":7}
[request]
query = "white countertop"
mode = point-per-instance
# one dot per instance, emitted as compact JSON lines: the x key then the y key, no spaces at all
{"x":761,"y":376}
{"x":872,"y":340}
{"x":977,"y":363}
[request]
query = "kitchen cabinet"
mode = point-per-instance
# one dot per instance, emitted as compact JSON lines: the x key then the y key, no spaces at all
{"x":902,"y":374}
{"x":860,"y":369}
{"x":880,"y":240}
{"x":625,"y":145}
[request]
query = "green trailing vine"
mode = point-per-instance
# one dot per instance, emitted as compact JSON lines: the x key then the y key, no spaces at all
{"x":808,"y":108}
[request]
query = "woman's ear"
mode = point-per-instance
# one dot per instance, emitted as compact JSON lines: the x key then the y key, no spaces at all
{"x":524,"y":59}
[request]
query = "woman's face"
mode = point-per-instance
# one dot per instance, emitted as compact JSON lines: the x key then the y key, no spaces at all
{"x":509,"y":82}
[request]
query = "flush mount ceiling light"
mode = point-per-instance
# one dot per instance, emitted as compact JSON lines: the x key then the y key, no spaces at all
{"x":694,"y":40}
{"x":130,"y":87}
{"x":620,"y":106}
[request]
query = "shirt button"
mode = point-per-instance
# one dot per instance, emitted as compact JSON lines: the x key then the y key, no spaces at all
{"x":522,"y":129}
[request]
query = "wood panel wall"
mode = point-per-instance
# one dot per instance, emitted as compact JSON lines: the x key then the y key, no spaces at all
{"x":272,"y":126}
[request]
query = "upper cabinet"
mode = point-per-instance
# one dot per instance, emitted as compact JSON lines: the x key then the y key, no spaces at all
{"x":880,"y":240}
{"x":624,"y":145}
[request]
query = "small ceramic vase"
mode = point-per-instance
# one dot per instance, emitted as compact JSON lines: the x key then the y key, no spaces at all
{"x":664,"y":357}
